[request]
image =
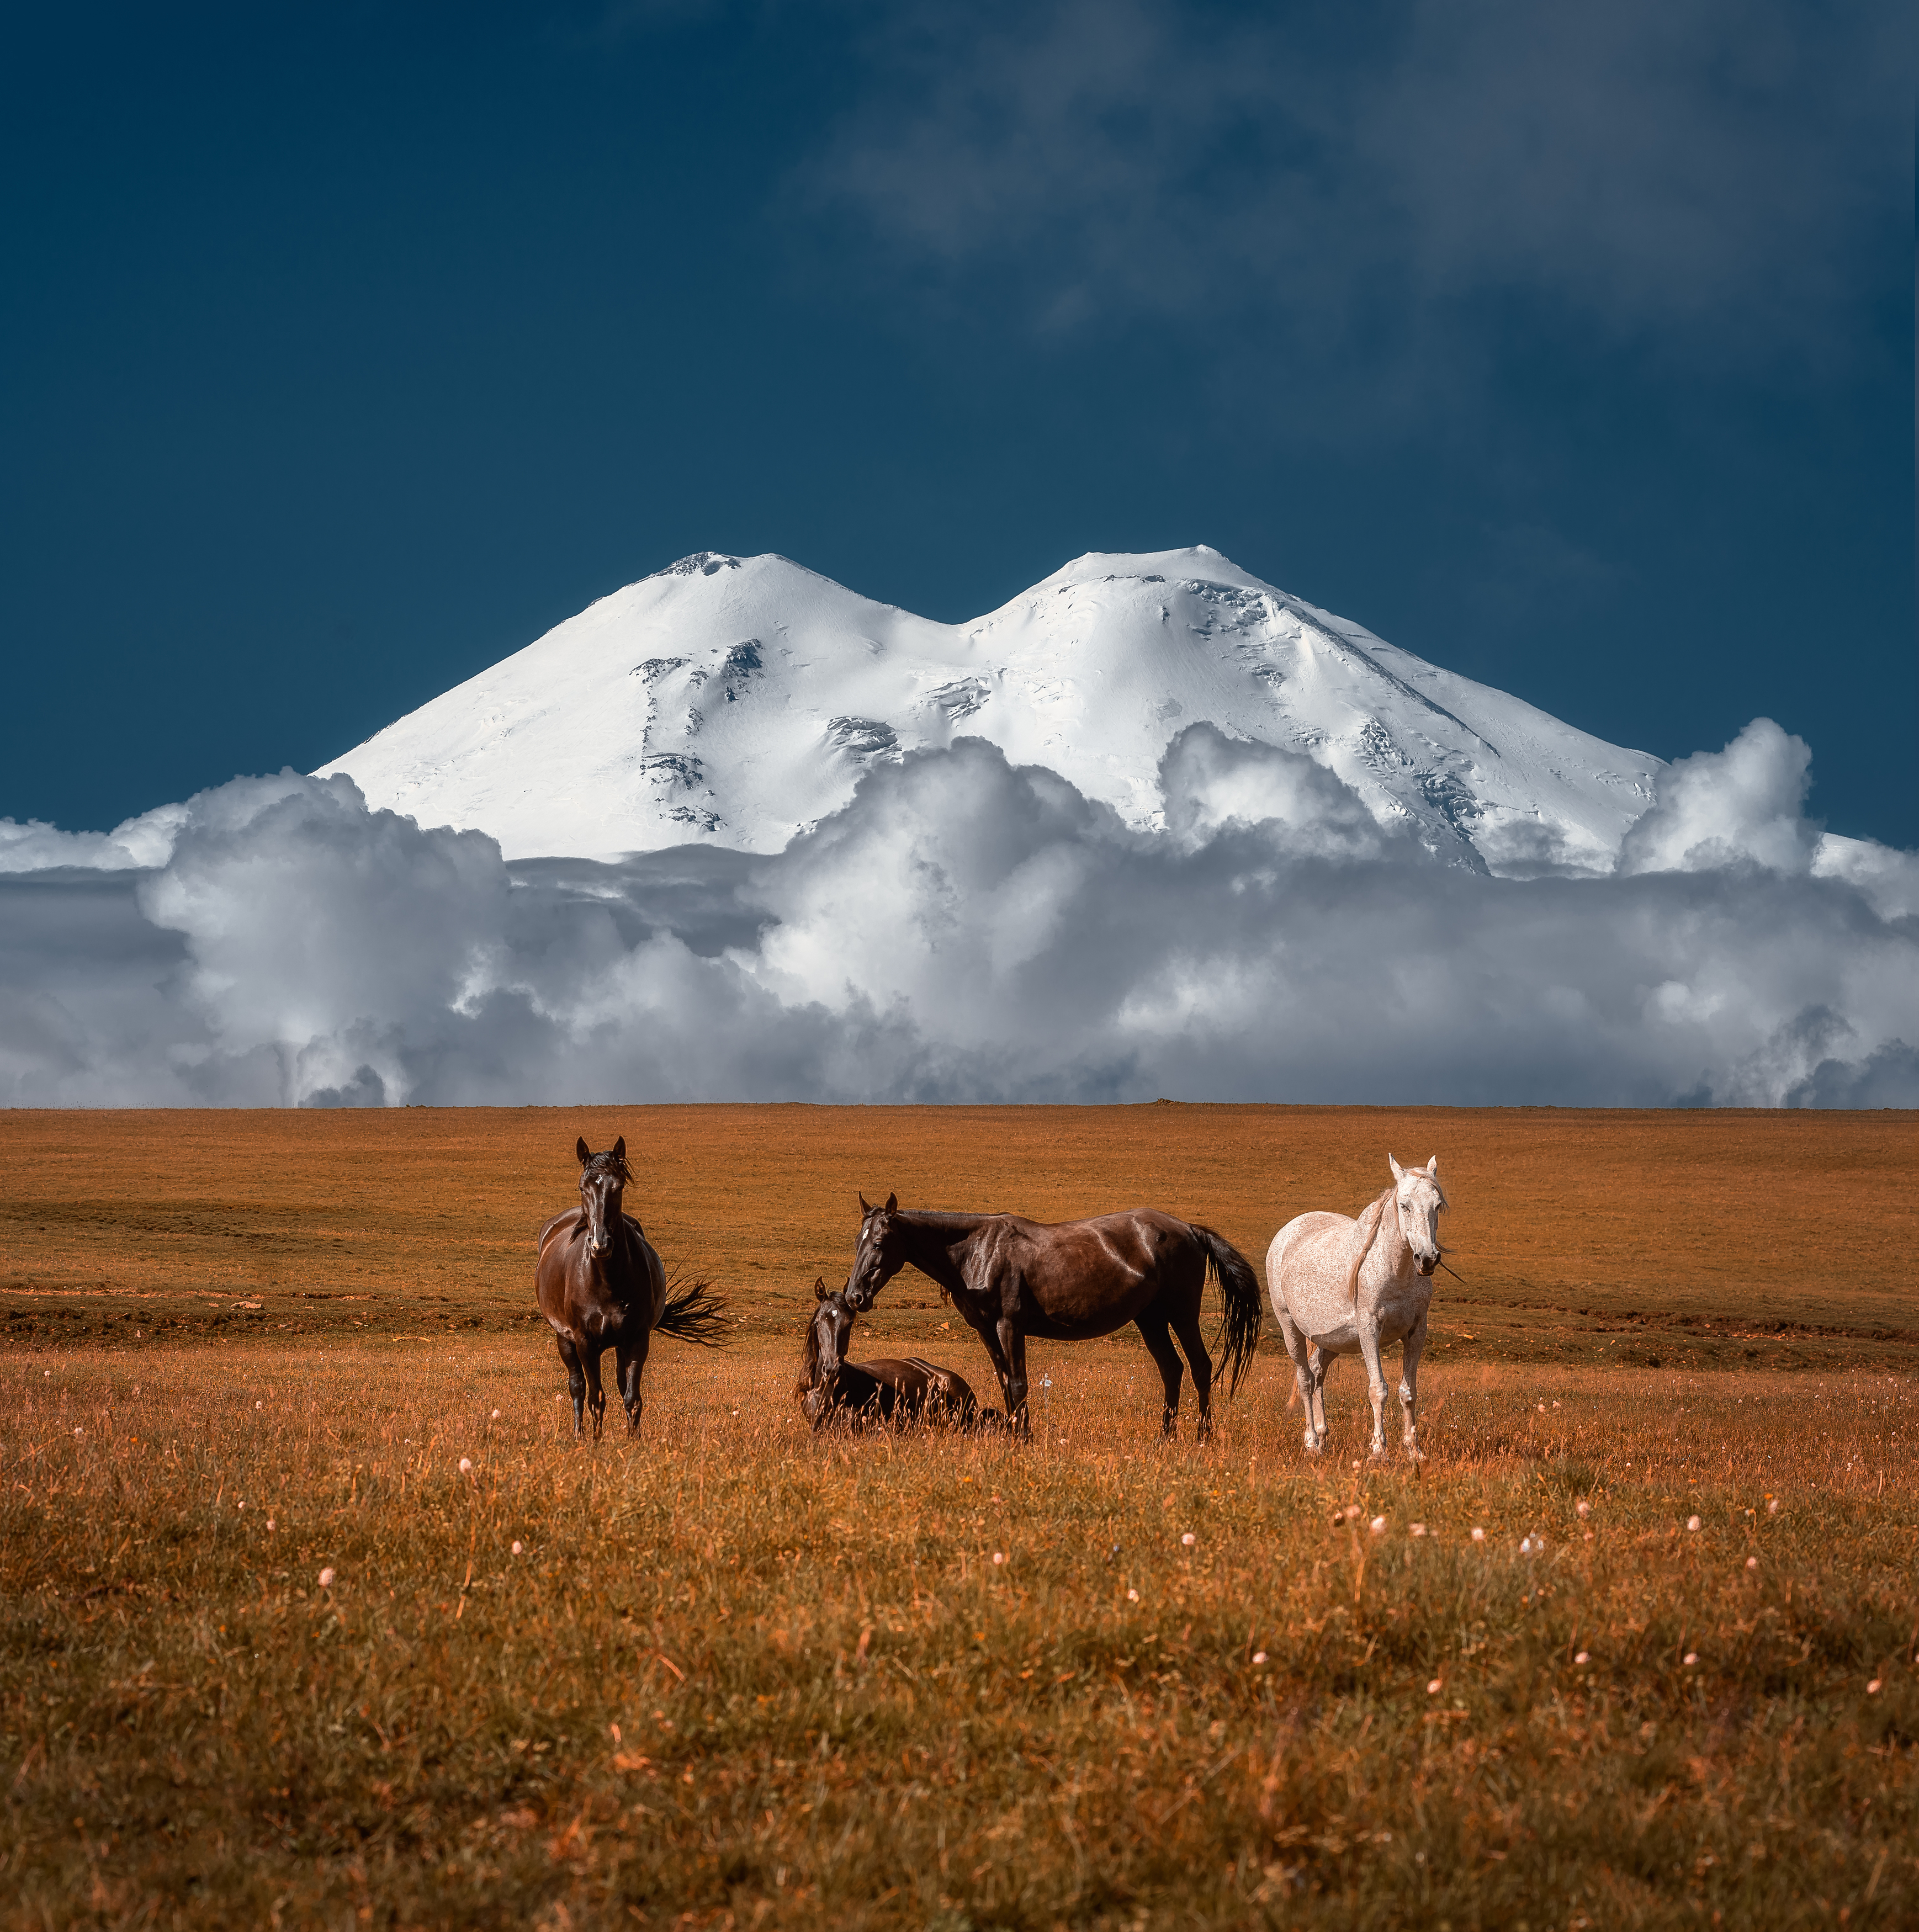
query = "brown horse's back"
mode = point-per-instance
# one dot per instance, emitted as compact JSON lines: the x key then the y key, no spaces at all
{"x":1081,"y":1279}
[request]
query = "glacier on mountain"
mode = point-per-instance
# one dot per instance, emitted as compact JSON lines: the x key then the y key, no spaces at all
{"x":736,"y":701}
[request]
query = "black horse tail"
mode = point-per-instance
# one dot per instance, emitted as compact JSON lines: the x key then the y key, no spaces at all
{"x":697,"y":1315}
{"x":1245,"y":1311}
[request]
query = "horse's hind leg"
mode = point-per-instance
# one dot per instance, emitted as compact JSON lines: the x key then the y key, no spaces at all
{"x":576,"y":1381}
{"x":1153,"y":1328}
{"x":1317,"y":1363}
{"x":1186,"y":1326}
{"x":1306,"y":1377}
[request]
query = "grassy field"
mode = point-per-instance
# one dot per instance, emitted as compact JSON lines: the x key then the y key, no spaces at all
{"x":737,"y":1675}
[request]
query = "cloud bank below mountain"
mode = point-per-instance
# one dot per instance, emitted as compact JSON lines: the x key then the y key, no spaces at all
{"x":966,"y":929}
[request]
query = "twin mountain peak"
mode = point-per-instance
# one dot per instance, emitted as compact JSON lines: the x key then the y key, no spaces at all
{"x":736,"y":701}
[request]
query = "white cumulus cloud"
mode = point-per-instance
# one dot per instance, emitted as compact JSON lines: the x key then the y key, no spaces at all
{"x":969,"y":929}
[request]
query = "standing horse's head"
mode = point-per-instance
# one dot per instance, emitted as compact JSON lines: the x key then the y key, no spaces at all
{"x":603,"y":1179}
{"x":1419,"y":1200}
{"x":881,"y":1255}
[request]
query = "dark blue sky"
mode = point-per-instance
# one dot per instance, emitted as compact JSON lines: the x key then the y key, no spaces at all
{"x":347,"y":349}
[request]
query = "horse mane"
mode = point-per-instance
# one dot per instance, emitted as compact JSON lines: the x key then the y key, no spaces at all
{"x":809,"y":1355}
{"x":1362,"y":1249}
{"x":609,"y":1162}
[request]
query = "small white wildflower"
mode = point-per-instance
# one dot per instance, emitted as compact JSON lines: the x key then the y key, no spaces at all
{"x":1584,"y":1657}
{"x":999,"y":1556}
{"x":1259,"y":1657}
{"x":1772,"y":1507}
{"x":327,"y":1579}
{"x":1525,"y":1546}
{"x":1189,"y":1539}
{"x":269,"y":1522}
{"x":1752,"y":1563}
{"x":1692,"y":1522}
{"x":1584,"y":1508}
{"x":1433,"y":1688}
{"x":465,"y":1465}
{"x":1377,"y":1525}
{"x":259,"y":1404}
{"x":1419,"y":1529}
{"x":1873,"y":1689}
{"x":517,"y":1548}
{"x":1479,"y":1535}
{"x":1691,"y":1658}
{"x":1132,"y":1596}
{"x":495,"y":1415}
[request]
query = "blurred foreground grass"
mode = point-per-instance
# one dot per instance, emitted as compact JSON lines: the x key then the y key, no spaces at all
{"x":737,"y":1675}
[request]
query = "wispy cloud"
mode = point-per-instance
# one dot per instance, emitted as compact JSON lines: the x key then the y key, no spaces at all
{"x":1715,"y":177}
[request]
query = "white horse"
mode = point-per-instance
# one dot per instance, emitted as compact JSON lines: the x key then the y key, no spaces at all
{"x":1339,"y":1285}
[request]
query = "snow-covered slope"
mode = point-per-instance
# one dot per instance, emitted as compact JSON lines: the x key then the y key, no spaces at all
{"x":736,"y":701}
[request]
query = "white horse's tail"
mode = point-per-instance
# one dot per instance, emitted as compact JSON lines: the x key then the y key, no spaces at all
{"x":1361,"y":1248}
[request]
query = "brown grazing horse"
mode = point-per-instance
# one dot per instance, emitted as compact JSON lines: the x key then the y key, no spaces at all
{"x":889,"y":1390}
{"x":600,"y":1285}
{"x":1070,"y":1281}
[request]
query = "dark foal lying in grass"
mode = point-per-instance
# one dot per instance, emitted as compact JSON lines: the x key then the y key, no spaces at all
{"x":892,"y":1389}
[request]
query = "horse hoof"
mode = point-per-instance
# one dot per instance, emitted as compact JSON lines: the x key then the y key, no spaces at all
{"x":1312,"y":1445}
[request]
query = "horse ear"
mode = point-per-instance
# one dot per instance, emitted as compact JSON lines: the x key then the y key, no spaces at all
{"x":619,"y":1148}
{"x":865,"y":1206}
{"x":1432,"y":1165}
{"x":819,"y":1288}
{"x":892,"y":1203}
{"x":583,"y":1151}
{"x":1398,"y":1172}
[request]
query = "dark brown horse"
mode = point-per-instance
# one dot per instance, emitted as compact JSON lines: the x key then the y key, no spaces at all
{"x":600,"y":1285}
{"x":889,"y":1390}
{"x":1068,"y":1281}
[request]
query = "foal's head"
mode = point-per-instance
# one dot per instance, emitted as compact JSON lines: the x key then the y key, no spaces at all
{"x":603,"y":1179}
{"x":1418,"y":1199}
{"x":881,"y":1255}
{"x":831,"y":1323}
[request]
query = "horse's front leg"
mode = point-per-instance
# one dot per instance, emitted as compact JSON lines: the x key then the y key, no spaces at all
{"x":1411,"y":1350}
{"x":1369,"y":1347}
{"x":595,"y":1395}
{"x":1317,"y":1363}
{"x":630,"y":1359}
{"x":1013,"y":1349}
{"x":576,"y":1381}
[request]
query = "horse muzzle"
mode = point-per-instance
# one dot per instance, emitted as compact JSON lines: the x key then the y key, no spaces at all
{"x":1426,"y":1264}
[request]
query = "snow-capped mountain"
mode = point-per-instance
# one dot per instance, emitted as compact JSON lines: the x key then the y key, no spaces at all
{"x":736,"y":701}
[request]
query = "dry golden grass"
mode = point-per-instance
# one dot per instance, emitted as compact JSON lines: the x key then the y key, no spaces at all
{"x":833,"y":1706}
